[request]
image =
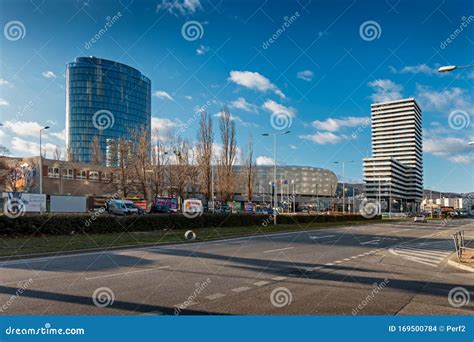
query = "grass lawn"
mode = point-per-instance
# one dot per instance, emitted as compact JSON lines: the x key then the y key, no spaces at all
{"x":62,"y":243}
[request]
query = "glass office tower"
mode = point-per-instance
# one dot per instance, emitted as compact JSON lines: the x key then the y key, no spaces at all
{"x":106,"y":101}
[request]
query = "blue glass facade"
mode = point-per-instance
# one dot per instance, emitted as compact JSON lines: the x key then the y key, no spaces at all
{"x":104,"y":99}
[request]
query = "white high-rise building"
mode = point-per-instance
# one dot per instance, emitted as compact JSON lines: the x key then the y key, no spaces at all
{"x":394,"y":174}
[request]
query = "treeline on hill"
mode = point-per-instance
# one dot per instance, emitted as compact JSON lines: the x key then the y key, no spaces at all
{"x":101,"y":224}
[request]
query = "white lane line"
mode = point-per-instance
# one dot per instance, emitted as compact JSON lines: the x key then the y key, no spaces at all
{"x":416,"y":251}
{"x":129,"y":272}
{"x":329,"y":264}
{"x":354,"y":257}
{"x":261,"y":283}
{"x":361,"y":255}
{"x":279,"y":278}
{"x":346,"y":259}
{"x":241,"y":289}
{"x":215,"y":296}
{"x":278,"y":250}
{"x":337,"y":262}
{"x":312,"y":237}
{"x":181,"y":305}
{"x":317,"y":268}
{"x":370,"y":242}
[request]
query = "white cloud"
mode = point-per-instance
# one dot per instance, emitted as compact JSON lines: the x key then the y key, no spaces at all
{"x":182,"y":7}
{"x":305,"y":75}
{"x":323,"y":138}
{"x":24,"y":128}
{"x":334,"y":125}
{"x":162,"y":128}
{"x":255,"y":81}
{"x":446,"y":146}
{"x":416,"y":69}
{"x":241,"y":103}
{"x":59,"y":135}
{"x":277,"y":108}
{"x":262,"y":160}
{"x":293,"y":147}
{"x":462,"y":159}
{"x":201,"y":50}
{"x":385,"y":90}
{"x":163,"y":95}
{"x":48,"y":74}
{"x":4,"y":102}
{"x":4,"y":82}
{"x":187,"y":97}
{"x":28,"y":148}
{"x":445,"y":100}
{"x":237,"y":120}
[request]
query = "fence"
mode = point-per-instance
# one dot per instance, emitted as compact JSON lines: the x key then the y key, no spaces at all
{"x":462,"y":243}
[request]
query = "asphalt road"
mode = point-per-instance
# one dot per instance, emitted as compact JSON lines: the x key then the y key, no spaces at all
{"x":376,"y":269}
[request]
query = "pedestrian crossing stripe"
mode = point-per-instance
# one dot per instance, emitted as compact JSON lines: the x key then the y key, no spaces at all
{"x":430,"y":254}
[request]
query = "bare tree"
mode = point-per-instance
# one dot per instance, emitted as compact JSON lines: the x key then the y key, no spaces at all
{"x":4,"y":170}
{"x":159,"y":161}
{"x":70,"y":154}
{"x":120,"y":157}
{"x":57,"y":153}
{"x":226,"y":172}
{"x":249,"y":168}
{"x":141,"y":159}
{"x":13,"y":176}
{"x":204,"y":150}
{"x":96,"y":152}
{"x":178,"y":176}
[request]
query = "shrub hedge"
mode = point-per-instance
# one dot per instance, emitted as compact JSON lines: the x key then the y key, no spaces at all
{"x":97,"y":223}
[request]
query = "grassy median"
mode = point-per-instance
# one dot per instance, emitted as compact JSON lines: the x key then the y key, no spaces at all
{"x":63,"y":243}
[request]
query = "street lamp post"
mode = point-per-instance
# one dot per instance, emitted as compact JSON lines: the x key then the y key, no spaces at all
{"x":41,"y":165}
{"x":294,"y":196}
{"x":343,"y":162}
{"x":275,"y":198}
{"x":448,"y":68}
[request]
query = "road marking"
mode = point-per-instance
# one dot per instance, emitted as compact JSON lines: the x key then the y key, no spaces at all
{"x":182,"y":306}
{"x":261,"y":283}
{"x":215,"y":296}
{"x":278,"y":250}
{"x":329,"y":264}
{"x":337,"y":262}
{"x":129,"y":272}
{"x":361,"y":255}
{"x":426,"y":253}
{"x":346,"y":259}
{"x":241,"y":289}
{"x":152,"y":313}
{"x":371,"y":242}
{"x":354,"y":257}
{"x":317,"y":268}
{"x":312,"y":237}
{"x":279,"y":278}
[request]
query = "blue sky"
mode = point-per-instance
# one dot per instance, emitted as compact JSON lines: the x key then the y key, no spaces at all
{"x":316,"y":64}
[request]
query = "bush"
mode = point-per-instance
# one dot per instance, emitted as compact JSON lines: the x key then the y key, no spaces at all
{"x":100,"y":223}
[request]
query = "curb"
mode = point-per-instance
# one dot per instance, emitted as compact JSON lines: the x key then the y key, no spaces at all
{"x":460,"y":266}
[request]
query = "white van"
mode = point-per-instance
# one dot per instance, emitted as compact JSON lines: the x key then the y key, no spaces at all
{"x":192,"y":207}
{"x":122,"y":207}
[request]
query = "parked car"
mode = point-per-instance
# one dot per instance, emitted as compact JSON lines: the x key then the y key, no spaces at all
{"x":161,"y":209}
{"x":122,"y":207}
{"x":419,"y":218}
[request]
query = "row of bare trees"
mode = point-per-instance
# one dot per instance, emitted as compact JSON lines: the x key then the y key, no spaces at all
{"x":177,"y":168}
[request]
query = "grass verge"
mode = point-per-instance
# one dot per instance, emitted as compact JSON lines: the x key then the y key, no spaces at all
{"x":64,"y":243}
